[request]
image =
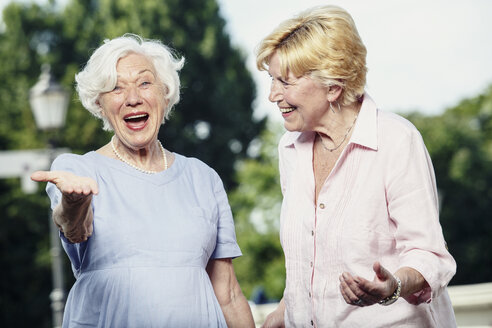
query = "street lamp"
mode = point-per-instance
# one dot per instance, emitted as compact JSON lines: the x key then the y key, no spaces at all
{"x":49,"y":103}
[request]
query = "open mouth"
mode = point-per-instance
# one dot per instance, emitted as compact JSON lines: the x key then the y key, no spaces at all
{"x":286,"y":110}
{"x":136,"y":121}
{"x":136,"y":118}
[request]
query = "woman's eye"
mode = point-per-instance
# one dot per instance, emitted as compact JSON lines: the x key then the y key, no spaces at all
{"x":117,"y":88}
{"x":145,"y":84}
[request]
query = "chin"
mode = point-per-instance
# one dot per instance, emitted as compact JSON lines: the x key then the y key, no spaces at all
{"x":291,"y":128}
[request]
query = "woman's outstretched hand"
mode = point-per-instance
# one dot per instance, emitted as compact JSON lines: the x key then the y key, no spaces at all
{"x":71,"y":186}
{"x":74,"y":213}
{"x":362,"y":292}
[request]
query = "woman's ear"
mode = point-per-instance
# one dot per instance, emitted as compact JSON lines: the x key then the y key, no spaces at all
{"x":333,"y":93}
{"x":101,"y":110}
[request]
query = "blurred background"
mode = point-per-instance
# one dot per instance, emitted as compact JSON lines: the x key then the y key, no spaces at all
{"x":428,"y":60}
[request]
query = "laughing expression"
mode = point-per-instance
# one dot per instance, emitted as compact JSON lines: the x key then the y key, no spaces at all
{"x":135,"y":107}
{"x":302,"y":101}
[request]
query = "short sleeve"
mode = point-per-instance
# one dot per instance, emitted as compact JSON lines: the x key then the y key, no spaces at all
{"x":226,"y":246}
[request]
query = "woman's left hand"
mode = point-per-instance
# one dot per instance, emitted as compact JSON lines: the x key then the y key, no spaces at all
{"x":362,"y":292}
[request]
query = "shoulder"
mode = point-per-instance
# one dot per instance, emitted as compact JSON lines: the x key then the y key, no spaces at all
{"x":77,"y":164}
{"x":197,"y":168}
{"x":393,"y":128}
{"x":67,"y":159}
{"x":193,"y":163}
{"x":399,"y":141}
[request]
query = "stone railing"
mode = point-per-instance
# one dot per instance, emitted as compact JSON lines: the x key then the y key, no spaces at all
{"x":472,"y":306}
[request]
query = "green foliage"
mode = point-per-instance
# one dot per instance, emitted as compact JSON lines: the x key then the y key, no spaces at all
{"x":26,"y":275}
{"x":460,"y":144}
{"x":217,"y":92}
{"x":256,"y":205}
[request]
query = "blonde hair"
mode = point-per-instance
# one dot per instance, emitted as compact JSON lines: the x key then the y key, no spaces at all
{"x":322,"y":43}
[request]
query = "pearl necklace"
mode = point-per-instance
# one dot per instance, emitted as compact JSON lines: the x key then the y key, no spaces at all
{"x":136,"y":167}
{"x":343,"y":140}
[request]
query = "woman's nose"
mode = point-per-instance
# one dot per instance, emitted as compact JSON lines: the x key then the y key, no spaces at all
{"x":275,"y":92}
{"x":133,"y":97}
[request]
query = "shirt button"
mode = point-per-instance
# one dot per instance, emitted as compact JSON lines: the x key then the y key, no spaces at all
{"x":312,"y":323}
{"x":309,"y":294}
{"x":311,"y":264}
{"x":322,"y":206}
{"x":312,"y":232}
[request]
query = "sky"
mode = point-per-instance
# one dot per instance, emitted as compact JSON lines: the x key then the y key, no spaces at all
{"x":423,"y":55}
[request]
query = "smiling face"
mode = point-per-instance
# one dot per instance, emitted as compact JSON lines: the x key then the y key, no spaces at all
{"x":135,"y":107}
{"x":303,"y":102}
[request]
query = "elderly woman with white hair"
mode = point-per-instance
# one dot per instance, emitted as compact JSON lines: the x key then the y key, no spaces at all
{"x":149,"y":232}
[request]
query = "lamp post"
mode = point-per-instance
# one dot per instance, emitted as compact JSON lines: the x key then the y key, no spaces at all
{"x":49,"y":103}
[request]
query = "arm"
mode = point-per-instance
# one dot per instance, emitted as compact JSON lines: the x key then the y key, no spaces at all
{"x":354,"y":288}
{"x":425,"y":266}
{"x":234,"y":305}
{"x":276,"y":318}
{"x":73,"y":215}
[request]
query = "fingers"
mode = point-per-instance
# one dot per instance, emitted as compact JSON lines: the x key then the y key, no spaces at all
{"x":81,"y":186}
{"x":380,"y":271}
{"x":357,"y":290}
{"x":273,"y":320}
{"x":41,"y":176}
{"x":68,"y":183}
{"x":347,"y":293}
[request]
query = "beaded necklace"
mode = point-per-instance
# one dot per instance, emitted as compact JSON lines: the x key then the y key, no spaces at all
{"x":136,"y":167}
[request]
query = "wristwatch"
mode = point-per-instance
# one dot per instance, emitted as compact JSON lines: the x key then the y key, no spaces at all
{"x":392,"y":298}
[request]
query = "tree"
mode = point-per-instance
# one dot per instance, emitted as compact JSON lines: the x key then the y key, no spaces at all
{"x":214,"y":120}
{"x":256,"y":206}
{"x":460,"y":144}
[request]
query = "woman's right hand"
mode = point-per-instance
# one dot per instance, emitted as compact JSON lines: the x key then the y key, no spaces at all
{"x":73,"y":187}
{"x":74,"y":213}
{"x":276,"y":318}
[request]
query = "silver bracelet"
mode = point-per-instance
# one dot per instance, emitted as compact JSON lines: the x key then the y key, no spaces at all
{"x":396,"y":295}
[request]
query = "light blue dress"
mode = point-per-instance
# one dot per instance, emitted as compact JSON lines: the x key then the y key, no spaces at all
{"x":144,"y":265}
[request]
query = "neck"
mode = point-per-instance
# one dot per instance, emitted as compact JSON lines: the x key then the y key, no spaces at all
{"x":149,"y":159}
{"x":334,"y":125}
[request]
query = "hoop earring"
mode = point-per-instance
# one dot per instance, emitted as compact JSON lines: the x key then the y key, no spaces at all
{"x":333,"y":110}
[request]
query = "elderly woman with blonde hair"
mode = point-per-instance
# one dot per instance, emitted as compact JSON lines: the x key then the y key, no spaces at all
{"x":359,"y":223}
{"x":149,"y":232}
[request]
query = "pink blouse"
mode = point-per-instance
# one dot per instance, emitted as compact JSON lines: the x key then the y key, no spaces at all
{"x":379,"y":203}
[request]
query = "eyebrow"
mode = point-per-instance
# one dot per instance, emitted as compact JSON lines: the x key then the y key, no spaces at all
{"x":146,"y":70}
{"x":118,"y":76}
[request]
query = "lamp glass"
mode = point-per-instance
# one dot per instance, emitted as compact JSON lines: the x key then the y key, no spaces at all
{"x":50,"y":109}
{"x":49,"y":101}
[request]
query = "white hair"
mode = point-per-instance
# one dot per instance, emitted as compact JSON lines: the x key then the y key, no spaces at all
{"x":100,"y":76}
